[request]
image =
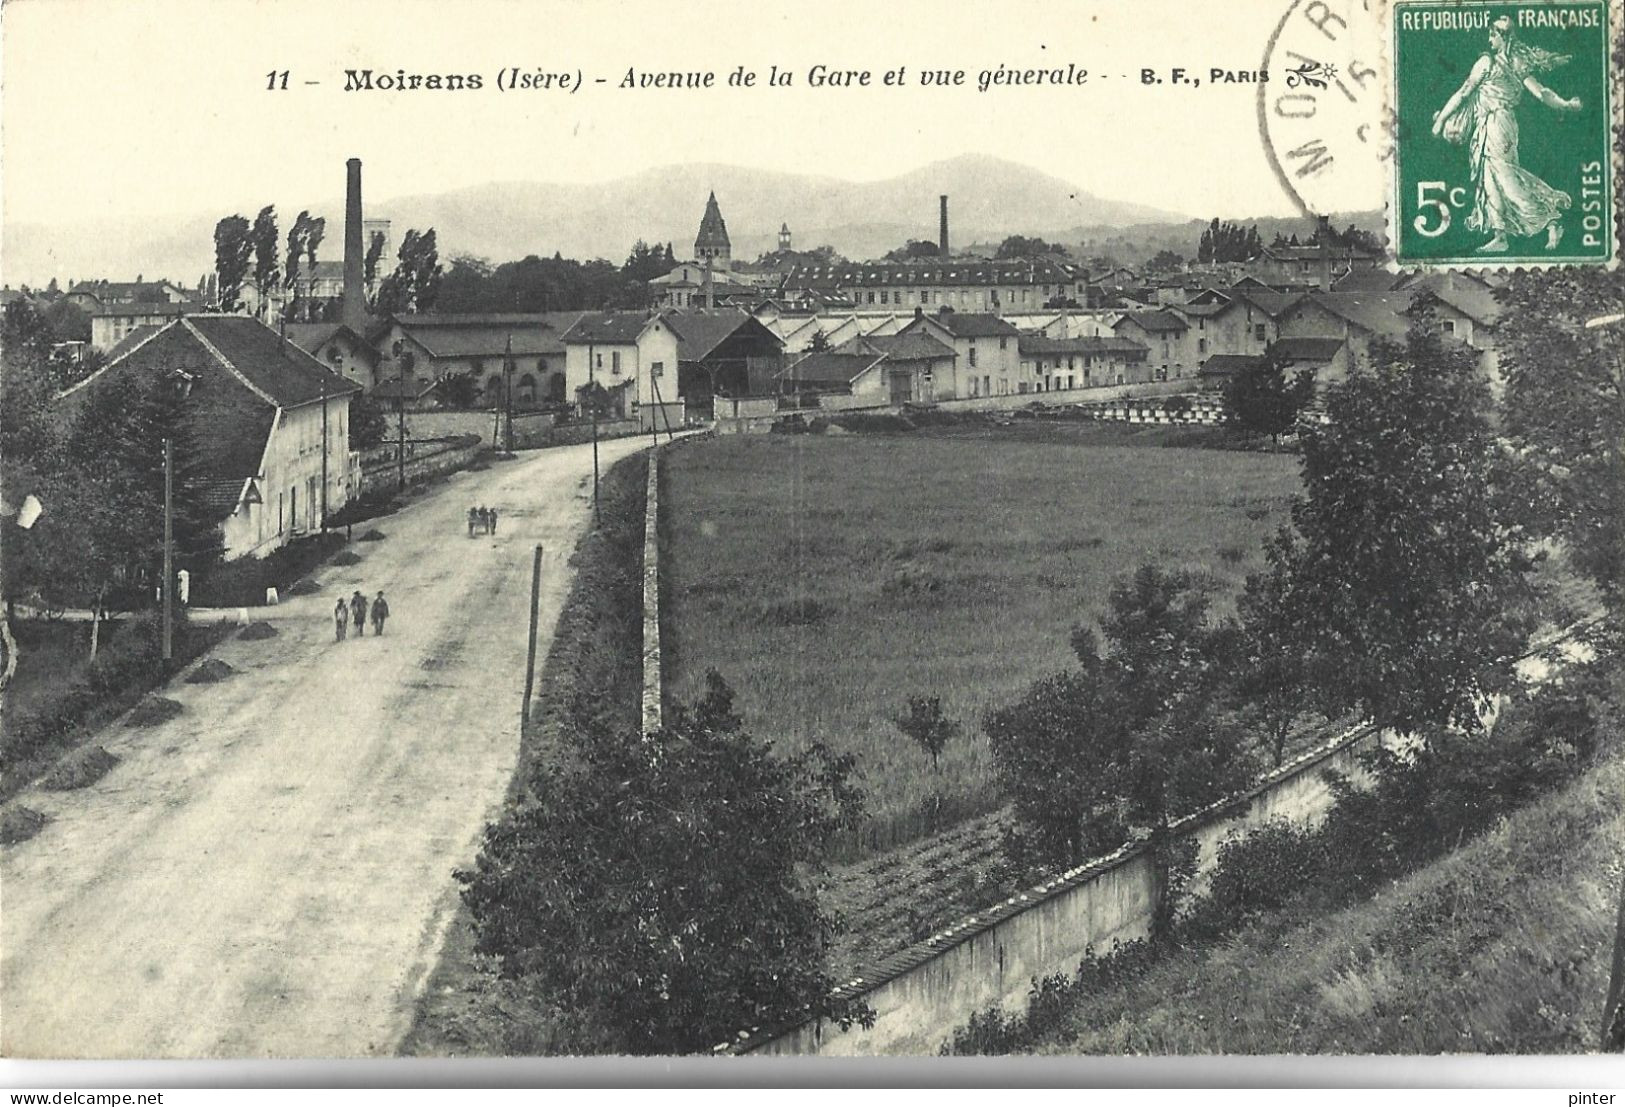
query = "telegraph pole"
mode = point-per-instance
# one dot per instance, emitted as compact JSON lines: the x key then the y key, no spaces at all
{"x":169,"y":551}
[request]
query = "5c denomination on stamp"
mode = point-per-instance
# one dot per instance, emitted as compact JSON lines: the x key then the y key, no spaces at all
{"x":1503,"y":141}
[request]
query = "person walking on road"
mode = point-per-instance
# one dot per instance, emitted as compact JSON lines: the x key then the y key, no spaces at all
{"x":358,"y":612}
{"x":473,"y":517}
{"x":380,"y":612}
{"x":493,"y":518}
{"x":341,"y":620}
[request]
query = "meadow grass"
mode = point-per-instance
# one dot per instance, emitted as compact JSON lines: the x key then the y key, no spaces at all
{"x":830,"y":578}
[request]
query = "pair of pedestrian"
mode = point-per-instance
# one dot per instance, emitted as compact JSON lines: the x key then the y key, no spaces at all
{"x":356,"y":611}
{"x":484,"y":518}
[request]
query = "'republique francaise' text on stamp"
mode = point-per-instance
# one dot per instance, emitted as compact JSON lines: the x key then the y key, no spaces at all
{"x":1503,"y":141}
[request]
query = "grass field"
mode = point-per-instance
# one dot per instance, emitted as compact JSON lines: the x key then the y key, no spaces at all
{"x":1500,"y":947}
{"x":830,"y":578}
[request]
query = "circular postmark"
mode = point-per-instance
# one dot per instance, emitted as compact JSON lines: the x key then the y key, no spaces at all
{"x":1323,"y":113}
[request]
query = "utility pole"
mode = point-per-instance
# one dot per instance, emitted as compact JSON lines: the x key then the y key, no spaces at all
{"x":169,"y":551}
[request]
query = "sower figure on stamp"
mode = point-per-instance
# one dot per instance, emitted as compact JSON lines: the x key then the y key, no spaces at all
{"x":1482,"y":115}
{"x":358,"y":612}
{"x":341,"y":619}
{"x":380,"y":612}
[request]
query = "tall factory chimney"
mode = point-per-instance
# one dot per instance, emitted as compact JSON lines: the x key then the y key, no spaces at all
{"x":355,"y":293}
{"x":942,"y":230}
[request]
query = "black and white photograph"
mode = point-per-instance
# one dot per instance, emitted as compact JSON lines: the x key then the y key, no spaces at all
{"x":758,"y":533}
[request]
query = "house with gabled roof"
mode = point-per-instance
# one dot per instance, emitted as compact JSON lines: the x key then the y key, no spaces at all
{"x":1058,"y":364}
{"x":986,"y":348}
{"x":632,"y":355}
{"x":339,"y":348}
{"x":428,"y":347}
{"x":1168,"y":337}
{"x":270,"y":421}
{"x":875,"y":370}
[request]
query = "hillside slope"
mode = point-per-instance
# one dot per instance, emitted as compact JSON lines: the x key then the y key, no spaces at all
{"x":1500,"y":947}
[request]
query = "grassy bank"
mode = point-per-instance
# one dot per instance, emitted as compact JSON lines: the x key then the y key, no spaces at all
{"x":1500,"y":947}
{"x":829,"y":578}
{"x":592,"y":671}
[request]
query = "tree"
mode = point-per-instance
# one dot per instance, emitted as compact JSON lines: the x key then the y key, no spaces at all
{"x":1565,"y":410}
{"x":233,"y":250}
{"x":819,"y":343}
{"x":267,"y":273}
{"x":303,"y":238}
{"x":1133,"y":737}
{"x":662,"y":888}
{"x":1403,"y":566}
{"x":927,"y":727}
{"x":1259,"y":399}
{"x":415,"y":284}
{"x":644,"y":263}
{"x":1165,"y":261}
{"x":1020,"y":246}
{"x":914,"y":250}
{"x":1270,"y":679}
{"x":467,"y":286}
{"x":460,"y":390}
{"x":367,"y":424}
{"x":369,"y":265}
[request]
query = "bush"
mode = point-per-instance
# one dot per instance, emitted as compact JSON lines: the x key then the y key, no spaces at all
{"x":347,"y":557}
{"x":372,"y":536}
{"x":80,"y":769}
{"x":211,"y":671}
{"x":242,"y":583}
{"x":257,"y":632}
{"x":18,"y":824}
{"x":153,"y":711}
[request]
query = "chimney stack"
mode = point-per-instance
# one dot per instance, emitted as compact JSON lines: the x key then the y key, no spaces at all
{"x":355,"y":295}
{"x":942,"y":228}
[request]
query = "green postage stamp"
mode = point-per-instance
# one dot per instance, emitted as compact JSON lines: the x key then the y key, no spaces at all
{"x":1503,"y":141}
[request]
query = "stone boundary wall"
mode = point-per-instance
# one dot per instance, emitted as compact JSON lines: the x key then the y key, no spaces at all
{"x":1104,"y":393}
{"x":425,"y":458}
{"x":531,"y":429}
{"x":923,"y":993}
{"x":653,"y":682}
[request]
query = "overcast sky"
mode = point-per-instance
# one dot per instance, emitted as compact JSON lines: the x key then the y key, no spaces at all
{"x":144,"y":107}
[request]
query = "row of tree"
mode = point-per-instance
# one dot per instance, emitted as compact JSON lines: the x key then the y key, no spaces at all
{"x":1227,"y":241}
{"x":246,"y":256}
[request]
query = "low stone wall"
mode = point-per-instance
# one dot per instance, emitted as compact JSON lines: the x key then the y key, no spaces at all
{"x":425,"y":458}
{"x":922,"y":994}
{"x":1100,"y":394}
{"x":653,"y":682}
{"x":572,"y":434}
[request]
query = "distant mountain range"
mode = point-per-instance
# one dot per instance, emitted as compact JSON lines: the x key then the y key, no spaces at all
{"x":989,"y":198}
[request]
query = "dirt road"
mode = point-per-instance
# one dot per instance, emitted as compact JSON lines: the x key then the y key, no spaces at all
{"x":269,"y":875}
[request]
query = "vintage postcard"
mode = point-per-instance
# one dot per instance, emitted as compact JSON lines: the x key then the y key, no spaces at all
{"x":1054,"y":527}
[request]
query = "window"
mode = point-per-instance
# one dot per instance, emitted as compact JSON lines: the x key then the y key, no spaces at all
{"x":615,"y":362}
{"x":987,"y":389}
{"x":1449,"y":326}
{"x":1004,"y":343}
{"x":1261,"y":332}
{"x":885,"y":297}
{"x":1201,"y":345}
{"x":973,"y":354}
{"x":600,"y":363}
{"x":657,"y":369}
{"x":477,"y":365}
